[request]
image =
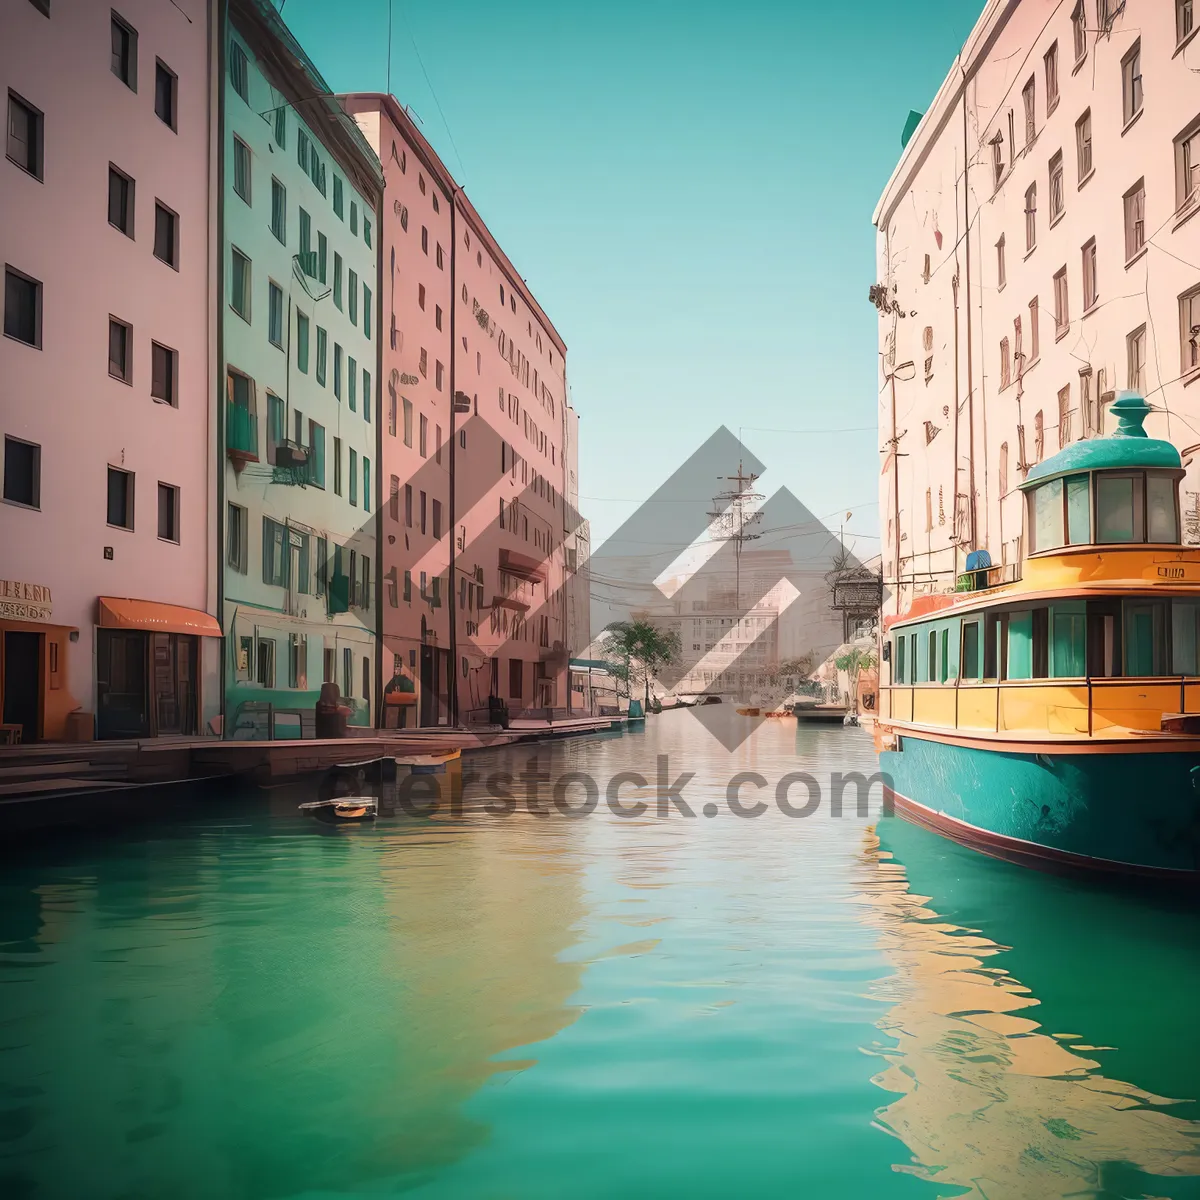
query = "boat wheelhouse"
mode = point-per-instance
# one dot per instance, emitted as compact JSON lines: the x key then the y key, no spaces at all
{"x":1054,"y":718}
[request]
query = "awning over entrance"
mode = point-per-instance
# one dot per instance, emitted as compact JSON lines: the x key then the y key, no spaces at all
{"x":116,"y":613}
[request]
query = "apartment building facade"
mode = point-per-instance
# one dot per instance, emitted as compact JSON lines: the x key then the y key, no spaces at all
{"x":473,"y":599}
{"x":108,"y":603}
{"x":1039,"y":251}
{"x":301,"y":193}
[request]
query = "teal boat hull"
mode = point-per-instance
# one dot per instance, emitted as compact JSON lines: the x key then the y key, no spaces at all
{"x":1126,"y":812}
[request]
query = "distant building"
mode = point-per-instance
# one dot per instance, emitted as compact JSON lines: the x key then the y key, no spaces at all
{"x":1039,"y":250}
{"x":301,"y":193}
{"x":108,"y":597}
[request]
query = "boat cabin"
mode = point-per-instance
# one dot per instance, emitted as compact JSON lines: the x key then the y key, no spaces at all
{"x":1106,"y":595}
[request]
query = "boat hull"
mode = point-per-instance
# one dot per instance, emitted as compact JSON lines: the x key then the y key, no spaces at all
{"x":1121,"y":813}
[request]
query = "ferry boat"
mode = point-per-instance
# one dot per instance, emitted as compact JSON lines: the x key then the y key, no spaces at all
{"x":1053,"y":719}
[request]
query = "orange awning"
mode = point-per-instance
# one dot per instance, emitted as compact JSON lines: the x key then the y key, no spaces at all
{"x":116,"y":613}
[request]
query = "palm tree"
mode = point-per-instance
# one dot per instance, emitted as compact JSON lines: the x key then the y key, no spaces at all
{"x":643,"y":643}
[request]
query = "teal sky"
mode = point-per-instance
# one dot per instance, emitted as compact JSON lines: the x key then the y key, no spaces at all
{"x":688,"y":191}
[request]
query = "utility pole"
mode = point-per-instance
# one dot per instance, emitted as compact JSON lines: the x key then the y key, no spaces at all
{"x":731,"y":520}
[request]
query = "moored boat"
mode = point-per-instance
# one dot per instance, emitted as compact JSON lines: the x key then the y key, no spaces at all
{"x":342,"y":810}
{"x":1053,"y":718}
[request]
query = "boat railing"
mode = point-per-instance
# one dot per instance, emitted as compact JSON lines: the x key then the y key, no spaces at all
{"x":1090,"y":706}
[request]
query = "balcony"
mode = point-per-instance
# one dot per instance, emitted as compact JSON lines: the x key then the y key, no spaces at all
{"x":241,"y":435}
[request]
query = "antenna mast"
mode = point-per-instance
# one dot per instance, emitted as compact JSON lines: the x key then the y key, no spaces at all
{"x":732,"y":519}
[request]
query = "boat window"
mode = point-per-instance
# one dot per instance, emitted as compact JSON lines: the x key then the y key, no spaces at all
{"x":1048,"y":515}
{"x":1161,"y":515}
{"x":1068,"y":641}
{"x":1185,"y":621}
{"x":1104,"y":638}
{"x":1041,"y":643}
{"x":970,"y":650}
{"x":1118,"y":508}
{"x":1145,"y":638}
{"x":914,"y":673}
{"x":1079,"y":510}
{"x":945,"y":659}
{"x":993,"y":646}
{"x":898,"y":654}
{"x":933,"y":648}
{"x":1020,"y":646}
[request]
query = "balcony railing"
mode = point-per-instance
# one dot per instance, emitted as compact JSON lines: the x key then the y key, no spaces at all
{"x":241,"y":433}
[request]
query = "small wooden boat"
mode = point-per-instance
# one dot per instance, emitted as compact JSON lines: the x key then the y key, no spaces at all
{"x":747,"y":712}
{"x":342,"y":809}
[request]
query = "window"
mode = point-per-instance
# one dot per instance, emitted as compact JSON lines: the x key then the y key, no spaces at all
{"x":1090,"y":283}
{"x":276,"y":426}
{"x":1189,"y":330}
{"x":1119,"y":513}
{"x":337,"y":371}
{"x":164,"y":374}
{"x":22,"y":307}
{"x":1005,"y":373}
{"x":997,"y":160}
{"x":279,"y":211}
{"x":408,"y":507}
{"x":1030,"y":217}
{"x":337,"y":198}
{"x":265,"y":665}
{"x":239,"y":74}
{"x":240,"y":285}
{"x":302,"y":343}
{"x":1131,"y":82}
{"x":352,"y":384}
{"x":120,"y":350}
{"x":22,"y":472}
{"x":1187,"y":167}
{"x":236,"y":531}
{"x":353,"y":476}
{"x":352,"y":293}
{"x":168,"y":512}
{"x":423,"y":363}
{"x":1083,"y":146}
{"x":316,"y":446}
{"x":366,"y":496}
{"x":241,"y":168}
{"x":1003,"y":471}
{"x":280,"y":130}
{"x":1184,"y":20}
{"x":275,"y":554}
{"x":1064,"y":416}
{"x":354,"y":217}
{"x":165,"y":90}
{"x":423,"y":448}
{"x":1079,"y":32}
{"x":1039,"y":436}
{"x":120,"y":201}
{"x":408,"y":422}
{"x":367,"y":311}
{"x":120,"y":498}
{"x":275,"y":314}
{"x":421,"y":299}
{"x":1027,"y":98}
{"x":302,"y":150}
{"x":25,"y":126}
{"x":305,"y":241}
{"x":1034,"y":314}
{"x":437,"y":519}
{"x":437,"y":375}
{"x":1012,"y":137}
{"x":366,"y":395}
{"x":1051,"y":62}
{"x":1135,"y":351}
{"x":441,"y":262}
{"x":124,"y":52}
{"x":337,"y":279}
{"x":348,"y":671}
{"x":1057,"y":199}
{"x":322,"y":354}
{"x":1001,"y":276}
{"x":337,"y":466}
{"x":366,"y":230}
{"x":1062,"y":316}
{"x":322,"y":256}
{"x":166,"y":235}
{"x":1135,"y":220}
{"x":424,"y":240}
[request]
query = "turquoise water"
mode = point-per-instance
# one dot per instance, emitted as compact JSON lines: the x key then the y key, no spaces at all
{"x":240,"y":1003}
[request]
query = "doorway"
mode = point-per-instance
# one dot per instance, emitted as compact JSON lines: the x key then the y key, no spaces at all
{"x":428,"y":686}
{"x":121,"y":684}
{"x":23,"y":682}
{"x":173,"y":656}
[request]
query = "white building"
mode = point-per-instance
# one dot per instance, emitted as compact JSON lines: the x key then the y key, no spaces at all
{"x":1039,"y":250}
{"x":301,"y":332}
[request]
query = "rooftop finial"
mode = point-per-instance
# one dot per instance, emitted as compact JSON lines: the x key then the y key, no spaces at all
{"x":1130,"y":409}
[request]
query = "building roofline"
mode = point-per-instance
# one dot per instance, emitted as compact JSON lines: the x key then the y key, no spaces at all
{"x":454,"y":192}
{"x":967,"y":62}
{"x":295,"y":74}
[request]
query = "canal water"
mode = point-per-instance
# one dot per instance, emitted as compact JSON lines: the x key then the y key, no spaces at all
{"x":242,"y":1003}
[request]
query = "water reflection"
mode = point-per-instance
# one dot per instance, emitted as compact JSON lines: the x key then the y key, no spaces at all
{"x":991,"y":1101}
{"x":250,"y":1009}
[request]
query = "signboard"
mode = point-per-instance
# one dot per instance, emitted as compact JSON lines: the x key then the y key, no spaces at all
{"x":858,"y":595}
{"x":24,"y":601}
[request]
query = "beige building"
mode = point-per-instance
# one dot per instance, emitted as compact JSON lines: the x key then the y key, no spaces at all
{"x":1038,"y":251}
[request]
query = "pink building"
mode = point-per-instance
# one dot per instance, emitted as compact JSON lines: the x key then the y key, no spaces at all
{"x":458,"y":318}
{"x":1039,"y":250}
{"x":106,"y":408}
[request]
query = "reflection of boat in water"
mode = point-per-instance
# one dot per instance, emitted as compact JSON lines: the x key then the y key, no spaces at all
{"x":1048,"y":720}
{"x":1005,"y":1080}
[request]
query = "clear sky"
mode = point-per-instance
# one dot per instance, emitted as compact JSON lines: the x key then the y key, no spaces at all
{"x":688,"y":190}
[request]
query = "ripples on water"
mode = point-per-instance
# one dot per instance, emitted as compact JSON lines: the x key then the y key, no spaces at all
{"x":243,"y":1004}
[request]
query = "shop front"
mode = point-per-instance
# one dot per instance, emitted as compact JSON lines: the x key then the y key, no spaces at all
{"x":147,"y":657}
{"x":34,"y":700}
